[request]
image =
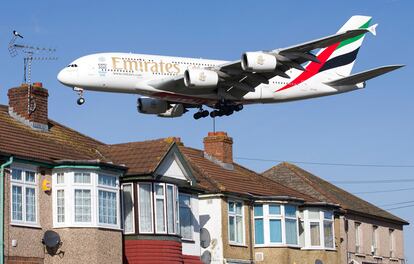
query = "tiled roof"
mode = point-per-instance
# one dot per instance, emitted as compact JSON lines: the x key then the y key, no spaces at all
{"x":140,"y":157}
{"x":240,"y":180}
{"x":303,"y":181}
{"x":58,"y":143}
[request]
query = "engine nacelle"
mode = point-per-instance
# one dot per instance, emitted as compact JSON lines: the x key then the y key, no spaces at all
{"x":200,"y":78}
{"x":258,"y":62}
{"x":176,"y":110}
{"x":153,"y":106}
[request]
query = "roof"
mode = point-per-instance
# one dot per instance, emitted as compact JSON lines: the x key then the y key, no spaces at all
{"x":140,"y":157}
{"x":214,"y":178}
{"x":303,"y":181}
{"x":59,"y":143}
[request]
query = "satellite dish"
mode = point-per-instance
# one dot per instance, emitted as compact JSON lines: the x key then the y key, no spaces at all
{"x":52,"y":241}
{"x":204,"y":238}
{"x":206,"y":257}
{"x":318,"y":261}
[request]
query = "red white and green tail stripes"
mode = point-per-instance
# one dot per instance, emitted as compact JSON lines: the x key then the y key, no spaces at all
{"x":339,"y":56}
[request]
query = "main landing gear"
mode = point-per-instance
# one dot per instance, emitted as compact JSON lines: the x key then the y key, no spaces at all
{"x":223,"y":110}
{"x":79,"y":91}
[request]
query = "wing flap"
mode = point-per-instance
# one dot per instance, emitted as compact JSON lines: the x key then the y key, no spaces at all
{"x":363,"y":76}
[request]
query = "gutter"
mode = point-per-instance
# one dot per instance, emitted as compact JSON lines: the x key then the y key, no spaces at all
{"x":4,"y":165}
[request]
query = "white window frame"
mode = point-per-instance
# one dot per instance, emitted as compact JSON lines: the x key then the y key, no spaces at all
{"x":374,"y":240}
{"x":175,"y":211}
{"x":392,"y":242}
{"x":23,"y":184}
{"x":69,"y":186}
{"x":254,"y":223}
{"x":282,"y":217}
{"x":358,"y":237}
{"x":152,"y":207}
{"x":112,"y":189}
{"x":320,"y":221}
{"x":190,"y":206}
{"x":235,"y":215}
{"x":133,"y":208}
{"x":163,"y":198}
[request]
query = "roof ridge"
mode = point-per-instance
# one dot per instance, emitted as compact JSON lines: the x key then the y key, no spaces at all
{"x":138,"y":142}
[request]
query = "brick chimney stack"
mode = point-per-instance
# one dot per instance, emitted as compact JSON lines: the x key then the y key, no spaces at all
{"x":219,"y":146}
{"x":29,"y":105}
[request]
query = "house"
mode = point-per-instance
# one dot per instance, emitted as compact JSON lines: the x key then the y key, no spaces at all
{"x":368,"y":234}
{"x":62,"y":193}
{"x":252,"y":219}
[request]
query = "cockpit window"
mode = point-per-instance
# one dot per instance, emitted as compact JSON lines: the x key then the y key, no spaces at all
{"x":73,"y":65}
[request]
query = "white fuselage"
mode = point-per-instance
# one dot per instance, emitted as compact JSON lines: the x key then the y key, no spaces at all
{"x":134,"y":73}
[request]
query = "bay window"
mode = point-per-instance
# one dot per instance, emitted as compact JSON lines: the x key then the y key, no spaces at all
{"x":85,"y":199}
{"x":23,"y":191}
{"x":158,"y":209}
{"x":275,"y":224}
{"x":236,"y":222}
{"x":318,"y":228}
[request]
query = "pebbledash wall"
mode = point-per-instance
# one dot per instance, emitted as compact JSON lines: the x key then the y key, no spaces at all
{"x":23,"y":242}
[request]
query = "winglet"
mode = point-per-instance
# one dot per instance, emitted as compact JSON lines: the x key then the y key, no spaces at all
{"x":373,"y":29}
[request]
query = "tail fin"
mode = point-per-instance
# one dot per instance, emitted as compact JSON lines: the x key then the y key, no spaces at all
{"x":343,"y":57}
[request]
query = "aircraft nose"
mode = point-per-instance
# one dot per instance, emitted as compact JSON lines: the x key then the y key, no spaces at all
{"x":64,"y":77}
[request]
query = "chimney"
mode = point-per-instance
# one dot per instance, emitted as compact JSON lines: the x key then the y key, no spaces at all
{"x":28,"y":104}
{"x":219,"y":146}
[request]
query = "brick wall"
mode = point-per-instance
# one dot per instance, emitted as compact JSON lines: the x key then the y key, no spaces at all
{"x":220,"y":146}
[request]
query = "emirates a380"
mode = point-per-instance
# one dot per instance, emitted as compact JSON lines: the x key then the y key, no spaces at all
{"x":170,"y":86}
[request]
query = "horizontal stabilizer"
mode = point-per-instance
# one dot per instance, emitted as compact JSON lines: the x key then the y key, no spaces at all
{"x":363,"y":76}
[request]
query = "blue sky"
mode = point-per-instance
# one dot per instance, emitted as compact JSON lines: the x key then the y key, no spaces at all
{"x":372,"y":126}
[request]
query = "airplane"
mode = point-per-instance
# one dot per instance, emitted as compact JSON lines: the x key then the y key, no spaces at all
{"x":170,"y":86}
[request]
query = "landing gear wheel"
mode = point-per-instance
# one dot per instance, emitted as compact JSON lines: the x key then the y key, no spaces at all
{"x":80,"y":101}
{"x":204,"y":113}
{"x":213,"y":114}
{"x":238,"y":108}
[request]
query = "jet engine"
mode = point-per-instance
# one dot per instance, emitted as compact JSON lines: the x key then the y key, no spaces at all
{"x":258,"y":62}
{"x":200,"y":78}
{"x":153,"y":106}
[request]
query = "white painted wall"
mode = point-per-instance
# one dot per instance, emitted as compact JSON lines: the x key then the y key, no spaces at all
{"x":211,"y":219}
{"x":193,"y":247}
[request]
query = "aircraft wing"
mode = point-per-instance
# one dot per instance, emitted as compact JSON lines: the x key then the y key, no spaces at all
{"x":363,"y":76}
{"x":237,"y":82}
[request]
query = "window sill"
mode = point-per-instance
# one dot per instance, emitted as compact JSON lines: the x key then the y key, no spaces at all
{"x":186,"y":240}
{"x":360,"y":255}
{"x":394,"y":259}
{"x":37,"y":226}
{"x":277,"y":246}
{"x":237,"y":245}
{"x":377,"y":257}
{"x":318,"y":248}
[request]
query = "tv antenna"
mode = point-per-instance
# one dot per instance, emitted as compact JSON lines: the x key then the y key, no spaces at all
{"x":31,"y":53}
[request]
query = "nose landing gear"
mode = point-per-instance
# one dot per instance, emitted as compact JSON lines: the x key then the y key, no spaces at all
{"x":79,"y":91}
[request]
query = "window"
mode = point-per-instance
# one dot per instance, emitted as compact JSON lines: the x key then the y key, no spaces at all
{"x":160,"y":208}
{"x":358,"y":238}
{"x":291,"y":223}
{"x":258,"y":224}
{"x":128,"y":212}
{"x":145,"y":208}
{"x":374,"y":241}
{"x":236,"y":223}
{"x":186,"y":223}
{"x":275,"y":224}
{"x":318,"y":228}
{"x":392,"y":243}
{"x":171,"y":211}
{"x":85,"y":198}
{"x":23,"y":197}
{"x":83,"y":206}
{"x":328,"y":229}
{"x":107,"y":199}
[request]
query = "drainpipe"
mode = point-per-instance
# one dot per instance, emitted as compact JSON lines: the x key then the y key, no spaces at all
{"x":10,"y":161}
